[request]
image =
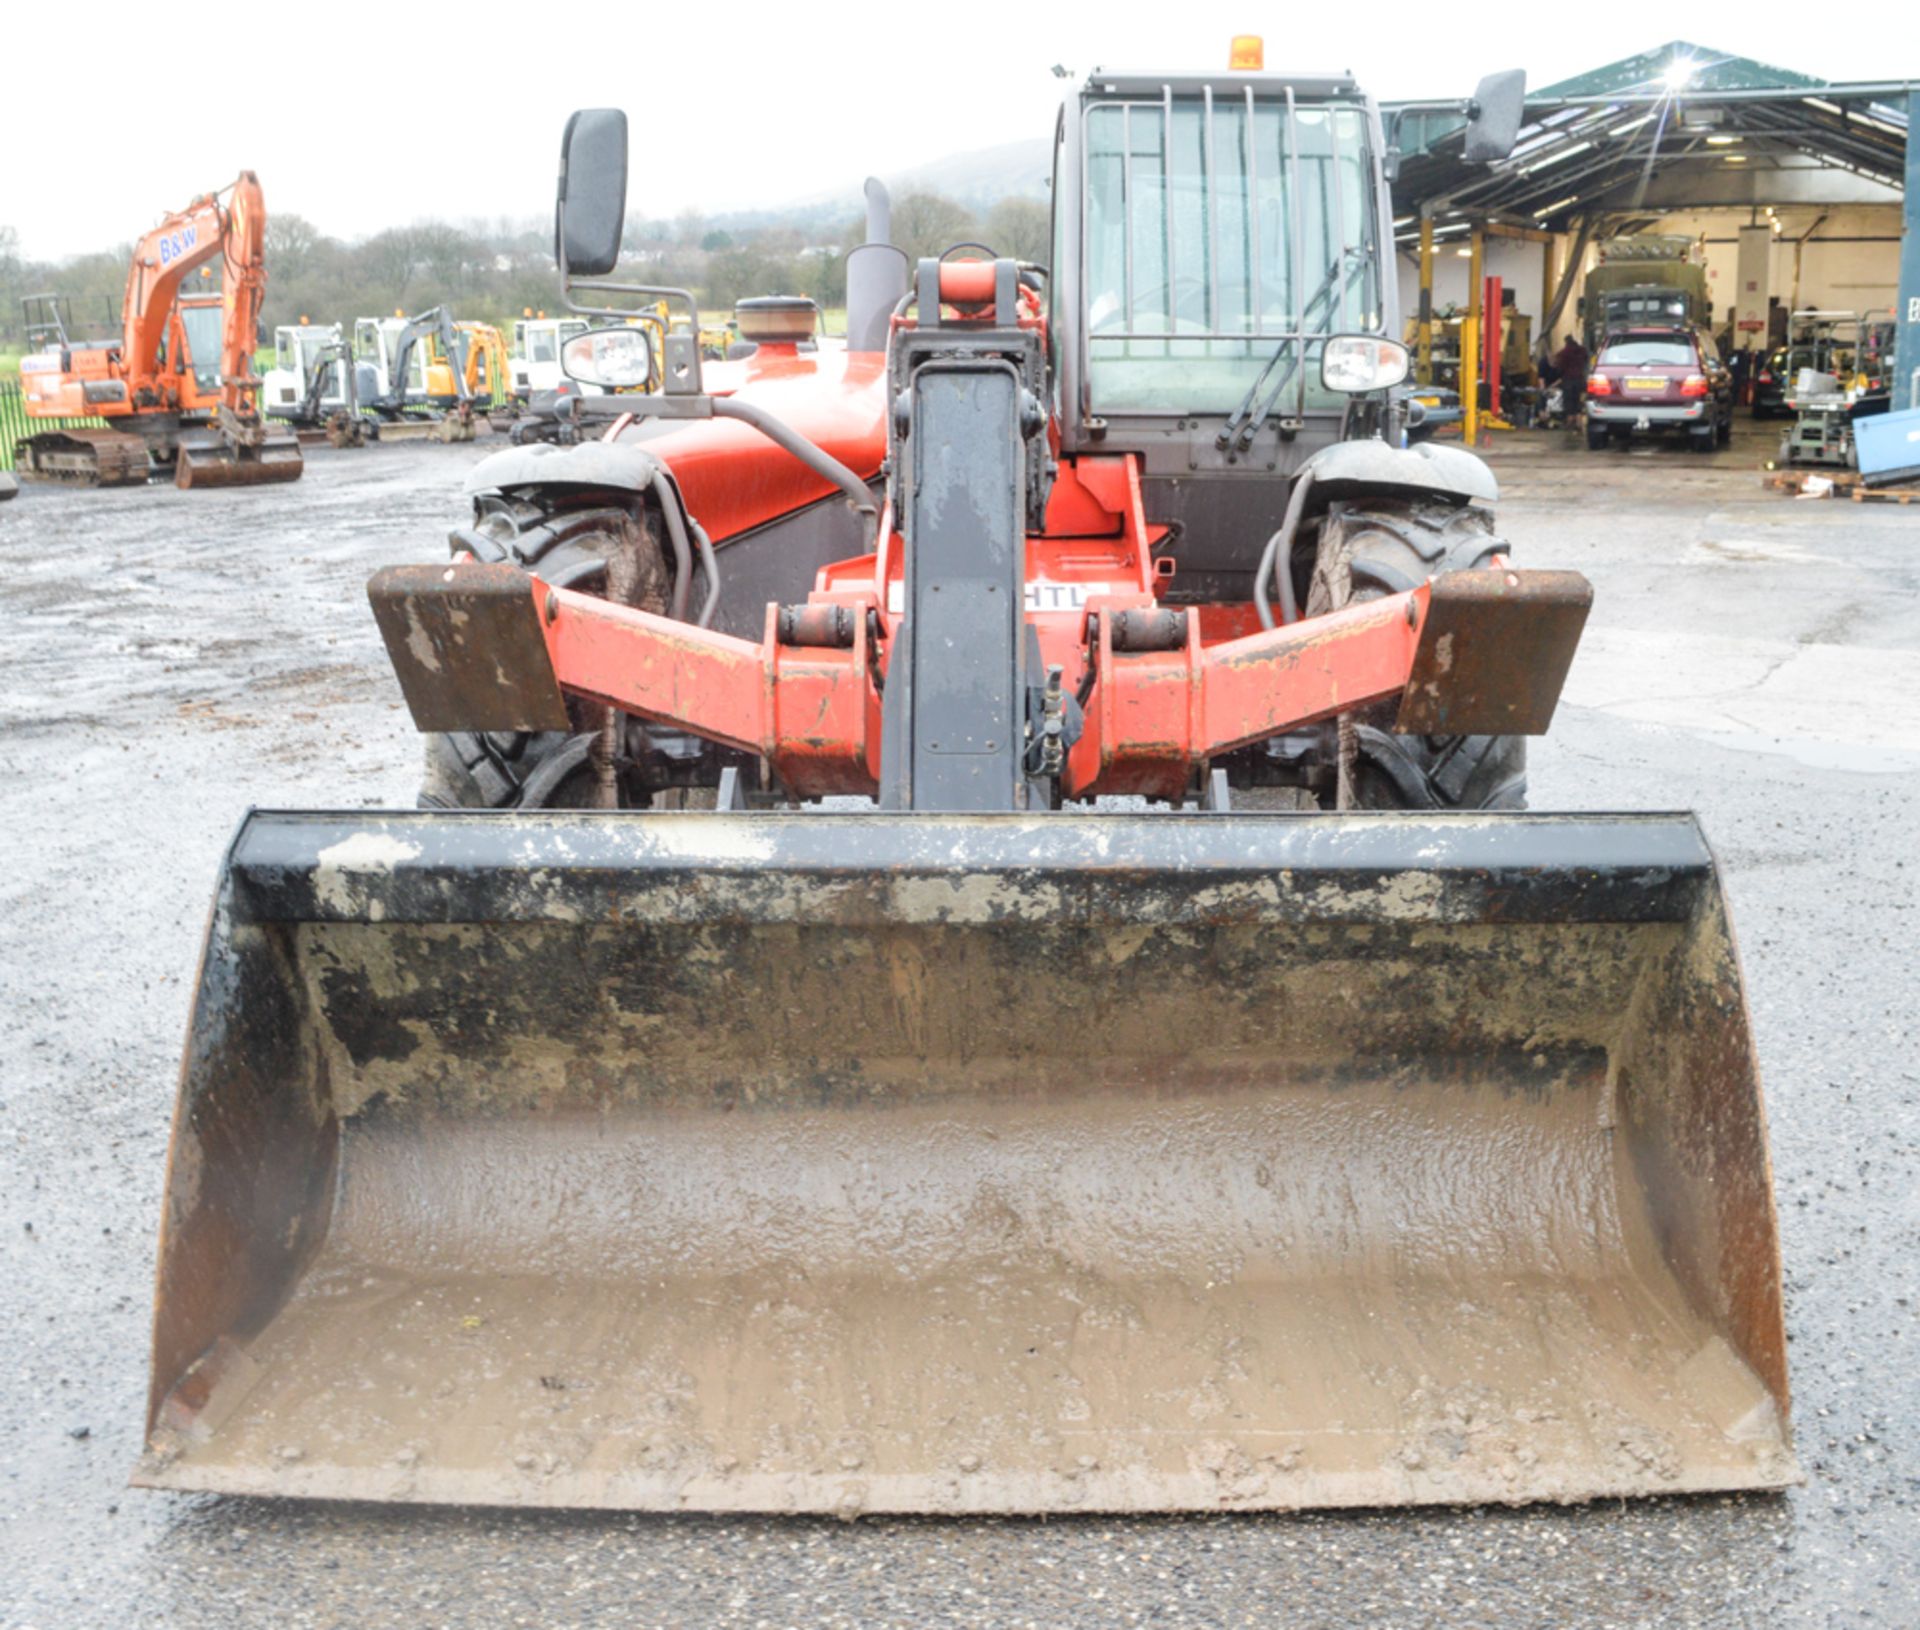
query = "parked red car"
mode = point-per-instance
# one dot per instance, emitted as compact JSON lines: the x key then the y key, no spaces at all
{"x":1659,"y":379}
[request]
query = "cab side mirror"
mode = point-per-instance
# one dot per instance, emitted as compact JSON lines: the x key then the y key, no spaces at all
{"x":1494,"y":115}
{"x":591,"y":207}
{"x":615,"y":359}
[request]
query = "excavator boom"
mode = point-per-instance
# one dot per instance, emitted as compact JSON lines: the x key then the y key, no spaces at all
{"x":147,"y":385}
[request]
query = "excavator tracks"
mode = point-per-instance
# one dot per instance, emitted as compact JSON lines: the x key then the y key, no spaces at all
{"x":84,"y":458}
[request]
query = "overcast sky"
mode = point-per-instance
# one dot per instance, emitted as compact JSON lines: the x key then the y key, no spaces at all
{"x":352,"y":120}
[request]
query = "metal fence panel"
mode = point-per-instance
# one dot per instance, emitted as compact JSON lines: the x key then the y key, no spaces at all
{"x":16,"y":426}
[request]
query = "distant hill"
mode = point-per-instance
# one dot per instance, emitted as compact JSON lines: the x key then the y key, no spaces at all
{"x":978,"y":179}
{"x":1014,"y":169}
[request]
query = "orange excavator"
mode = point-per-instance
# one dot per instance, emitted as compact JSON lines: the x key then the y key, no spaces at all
{"x":164,"y":406}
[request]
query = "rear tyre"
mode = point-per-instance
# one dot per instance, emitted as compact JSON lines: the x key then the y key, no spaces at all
{"x":1596,"y":438}
{"x":1387,"y":546}
{"x":1702,"y":438}
{"x":556,"y":769}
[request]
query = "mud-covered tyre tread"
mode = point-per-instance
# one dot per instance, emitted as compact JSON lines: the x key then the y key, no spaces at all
{"x":468,"y":770}
{"x":1397,"y":545}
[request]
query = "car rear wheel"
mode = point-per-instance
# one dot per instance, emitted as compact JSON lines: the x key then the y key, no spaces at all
{"x":1596,"y":438}
{"x":1701,"y":437}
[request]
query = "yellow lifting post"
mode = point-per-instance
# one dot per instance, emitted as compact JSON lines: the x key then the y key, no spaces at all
{"x":1470,"y":341}
{"x":1547,"y":270}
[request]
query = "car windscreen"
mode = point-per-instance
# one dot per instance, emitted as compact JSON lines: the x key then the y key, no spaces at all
{"x":1647,"y":354}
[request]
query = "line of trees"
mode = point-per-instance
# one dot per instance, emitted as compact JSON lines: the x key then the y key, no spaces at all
{"x":495,"y":271}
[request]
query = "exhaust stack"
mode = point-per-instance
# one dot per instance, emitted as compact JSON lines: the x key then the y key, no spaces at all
{"x":876,"y":275}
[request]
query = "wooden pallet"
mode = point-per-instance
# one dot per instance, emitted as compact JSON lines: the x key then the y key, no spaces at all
{"x":1792,"y":480}
{"x":1846,"y":484}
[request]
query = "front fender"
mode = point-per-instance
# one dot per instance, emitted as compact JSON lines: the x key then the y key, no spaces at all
{"x":1352,"y":469}
{"x":621,"y":466}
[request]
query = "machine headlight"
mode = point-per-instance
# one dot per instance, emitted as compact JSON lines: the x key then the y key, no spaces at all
{"x":1362,"y":362}
{"x":615,"y":358}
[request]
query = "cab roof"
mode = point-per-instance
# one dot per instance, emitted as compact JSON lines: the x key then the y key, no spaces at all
{"x":1227,"y":82}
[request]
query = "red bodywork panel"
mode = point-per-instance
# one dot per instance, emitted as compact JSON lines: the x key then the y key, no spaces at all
{"x":732,"y":477}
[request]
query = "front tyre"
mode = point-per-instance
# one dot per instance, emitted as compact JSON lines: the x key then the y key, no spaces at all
{"x":586,"y":766}
{"x":1381,"y":546}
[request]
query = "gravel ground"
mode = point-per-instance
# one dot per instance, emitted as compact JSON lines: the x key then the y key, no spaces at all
{"x":169,"y":658}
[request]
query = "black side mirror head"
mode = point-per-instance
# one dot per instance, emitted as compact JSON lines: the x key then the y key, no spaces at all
{"x":590,"y":210}
{"x":1494,"y":115}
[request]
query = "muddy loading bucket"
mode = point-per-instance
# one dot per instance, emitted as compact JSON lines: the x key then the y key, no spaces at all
{"x":212,"y":462}
{"x":867,"y":1162}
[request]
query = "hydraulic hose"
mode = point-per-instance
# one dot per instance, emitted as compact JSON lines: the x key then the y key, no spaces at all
{"x":711,"y":567}
{"x":1280,"y":547}
{"x":679,"y":527}
{"x":677,"y":534}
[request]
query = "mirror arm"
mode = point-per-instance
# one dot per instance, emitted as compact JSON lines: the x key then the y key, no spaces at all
{"x":599,"y":286}
{"x":628,"y":404}
{"x":1467,"y":107}
{"x":680,"y":353}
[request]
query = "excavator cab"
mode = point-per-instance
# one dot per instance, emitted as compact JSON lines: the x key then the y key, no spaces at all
{"x":202,"y":323}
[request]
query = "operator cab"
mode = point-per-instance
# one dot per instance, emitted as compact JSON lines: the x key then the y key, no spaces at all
{"x":1219,"y":220}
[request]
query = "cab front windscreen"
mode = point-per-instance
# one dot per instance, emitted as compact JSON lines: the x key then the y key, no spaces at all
{"x":1218,"y":229}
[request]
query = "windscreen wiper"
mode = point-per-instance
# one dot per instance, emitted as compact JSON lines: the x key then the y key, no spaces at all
{"x":1237,"y":433}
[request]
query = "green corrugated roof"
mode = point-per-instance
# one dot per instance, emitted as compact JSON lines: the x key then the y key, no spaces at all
{"x":1712,"y":71}
{"x":1614,"y":126}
